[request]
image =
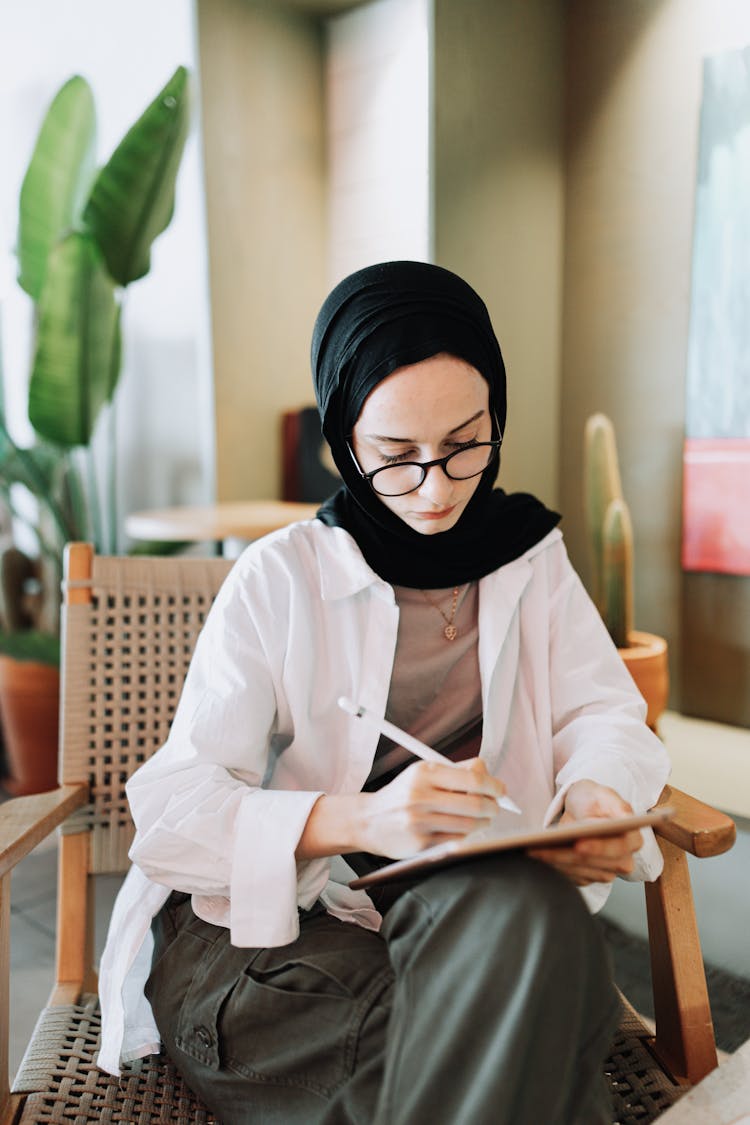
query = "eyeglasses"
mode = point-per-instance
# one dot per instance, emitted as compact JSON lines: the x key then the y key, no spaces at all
{"x":408,"y":476}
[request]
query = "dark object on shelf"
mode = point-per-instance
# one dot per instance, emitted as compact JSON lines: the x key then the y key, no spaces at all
{"x":308,"y":473}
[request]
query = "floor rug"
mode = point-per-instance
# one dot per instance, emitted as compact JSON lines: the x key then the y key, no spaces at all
{"x":729,"y":994}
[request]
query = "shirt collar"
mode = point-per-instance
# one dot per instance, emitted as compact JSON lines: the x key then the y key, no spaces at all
{"x":343,"y":570}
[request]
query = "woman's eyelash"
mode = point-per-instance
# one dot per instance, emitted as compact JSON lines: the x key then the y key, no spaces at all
{"x":411,"y":455}
{"x":394,"y":458}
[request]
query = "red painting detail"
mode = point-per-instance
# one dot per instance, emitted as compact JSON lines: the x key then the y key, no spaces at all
{"x":716,"y":505}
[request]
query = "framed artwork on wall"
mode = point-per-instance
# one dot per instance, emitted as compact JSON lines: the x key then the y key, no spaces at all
{"x":716,"y":479}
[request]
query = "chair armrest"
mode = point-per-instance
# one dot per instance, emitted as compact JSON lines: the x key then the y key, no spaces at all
{"x":695,"y":827}
{"x":25,"y":821}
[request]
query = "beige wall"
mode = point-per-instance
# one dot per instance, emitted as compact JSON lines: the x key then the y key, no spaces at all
{"x":498,"y":202}
{"x":262,"y":107}
{"x":633,"y":100}
{"x":564,"y":157}
{"x":634,"y":82}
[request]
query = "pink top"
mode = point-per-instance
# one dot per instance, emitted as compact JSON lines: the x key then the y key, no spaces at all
{"x":435,"y":691}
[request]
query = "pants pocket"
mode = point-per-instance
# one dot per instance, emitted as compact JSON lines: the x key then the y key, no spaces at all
{"x":290,"y":1026}
{"x":288,"y":1016}
{"x":295,"y":1015}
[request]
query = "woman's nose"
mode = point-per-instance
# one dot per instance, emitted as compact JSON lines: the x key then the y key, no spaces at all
{"x":437,"y":486}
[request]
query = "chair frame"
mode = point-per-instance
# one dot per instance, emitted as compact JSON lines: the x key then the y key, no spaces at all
{"x":684,"y":1040}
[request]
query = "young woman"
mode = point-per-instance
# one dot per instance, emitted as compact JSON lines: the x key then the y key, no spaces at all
{"x":480,"y":994}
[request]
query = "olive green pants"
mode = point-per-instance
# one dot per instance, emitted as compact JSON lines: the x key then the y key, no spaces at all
{"x":486,"y":999}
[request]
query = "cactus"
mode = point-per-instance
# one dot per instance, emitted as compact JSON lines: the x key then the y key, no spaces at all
{"x":617,"y":572}
{"x":610,"y":530}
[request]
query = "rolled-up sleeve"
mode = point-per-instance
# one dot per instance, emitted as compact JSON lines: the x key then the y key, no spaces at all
{"x":205,"y":824}
{"x":266,"y":891}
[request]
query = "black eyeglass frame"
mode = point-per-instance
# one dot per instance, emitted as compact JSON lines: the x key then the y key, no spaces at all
{"x":425,"y":466}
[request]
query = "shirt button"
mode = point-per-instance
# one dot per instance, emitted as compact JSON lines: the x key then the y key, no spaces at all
{"x":204,"y":1035}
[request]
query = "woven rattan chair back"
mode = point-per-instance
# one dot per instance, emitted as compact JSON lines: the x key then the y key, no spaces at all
{"x":129,"y":629}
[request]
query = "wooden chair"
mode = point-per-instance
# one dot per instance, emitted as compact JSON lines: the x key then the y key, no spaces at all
{"x":129,"y":627}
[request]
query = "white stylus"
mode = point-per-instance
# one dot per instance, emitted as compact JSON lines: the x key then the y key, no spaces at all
{"x":409,"y":742}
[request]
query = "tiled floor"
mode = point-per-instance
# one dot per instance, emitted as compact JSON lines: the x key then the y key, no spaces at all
{"x":32,"y":930}
{"x":710,"y":761}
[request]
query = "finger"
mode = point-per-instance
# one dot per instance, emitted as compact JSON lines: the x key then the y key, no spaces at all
{"x":579,"y":873}
{"x":609,"y":806}
{"x":472,"y":776}
{"x":448,"y":777}
{"x":625,"y":844}
{"x":584,"y":877}
{"x":589,"y":799}
{"x":475,"y":764}
{"x":569,"y":859}
{"x":443,"y":838}
{"x":442,"y":823}
{"x":474,"y":805}
{"x":435,"y":775}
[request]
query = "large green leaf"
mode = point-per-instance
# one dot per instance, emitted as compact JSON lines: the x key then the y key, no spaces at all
{"x":160,"y":547}
{"x":56,"y":181}
{"x":77,"y":344}
{"x":38,"y":469}
{"x":32,"y":645}
{"x":34,"y":467}
{"x":132,"y":199}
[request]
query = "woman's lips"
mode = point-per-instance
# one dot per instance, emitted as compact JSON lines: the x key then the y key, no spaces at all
{"x":434,"y":515}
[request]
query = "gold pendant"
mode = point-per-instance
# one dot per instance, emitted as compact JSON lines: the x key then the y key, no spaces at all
{"x":451,"y":632}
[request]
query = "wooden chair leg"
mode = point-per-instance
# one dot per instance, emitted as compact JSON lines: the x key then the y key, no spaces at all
{"x":4,"y":992}
{"x":9,"y":1103}
{"x":75,"y":921}
{"x":684,"y":1042}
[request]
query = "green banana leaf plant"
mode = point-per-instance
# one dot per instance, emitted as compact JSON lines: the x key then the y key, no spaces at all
{"x":84,"y":236}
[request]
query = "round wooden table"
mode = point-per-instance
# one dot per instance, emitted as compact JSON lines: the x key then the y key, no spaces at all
{"x":242,"y":519}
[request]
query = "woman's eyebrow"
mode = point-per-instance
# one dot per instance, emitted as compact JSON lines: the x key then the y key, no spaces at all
{"x":413,"y":441}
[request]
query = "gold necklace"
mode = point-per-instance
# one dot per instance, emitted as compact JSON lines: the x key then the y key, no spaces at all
{"x":450,"y":632}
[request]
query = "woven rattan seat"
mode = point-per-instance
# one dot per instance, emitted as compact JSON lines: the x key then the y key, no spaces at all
{"x":640,"y":1089}
{"x":64,"y":1085}
{"x":130,"y":626}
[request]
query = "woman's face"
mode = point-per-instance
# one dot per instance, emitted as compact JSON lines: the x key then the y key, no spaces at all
{"x":419,"y":413}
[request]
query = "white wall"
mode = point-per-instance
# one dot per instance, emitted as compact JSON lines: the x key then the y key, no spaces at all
{"x":378,"y":134}
{"x":126,"y":52}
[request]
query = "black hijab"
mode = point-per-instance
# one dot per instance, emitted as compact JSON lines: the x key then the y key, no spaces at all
{"x":377,"y":320}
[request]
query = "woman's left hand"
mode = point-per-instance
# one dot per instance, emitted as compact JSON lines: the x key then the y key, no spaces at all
{"x":591,"y":860}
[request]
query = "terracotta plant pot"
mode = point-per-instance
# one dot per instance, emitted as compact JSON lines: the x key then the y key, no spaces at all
{"x":646,"y":660}
{"x":29,"y":708}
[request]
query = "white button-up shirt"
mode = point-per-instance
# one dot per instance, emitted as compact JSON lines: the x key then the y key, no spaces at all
{"x":258,"y":736}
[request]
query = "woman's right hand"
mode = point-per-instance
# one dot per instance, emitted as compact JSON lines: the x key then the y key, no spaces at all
{"x":428,"y":803}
